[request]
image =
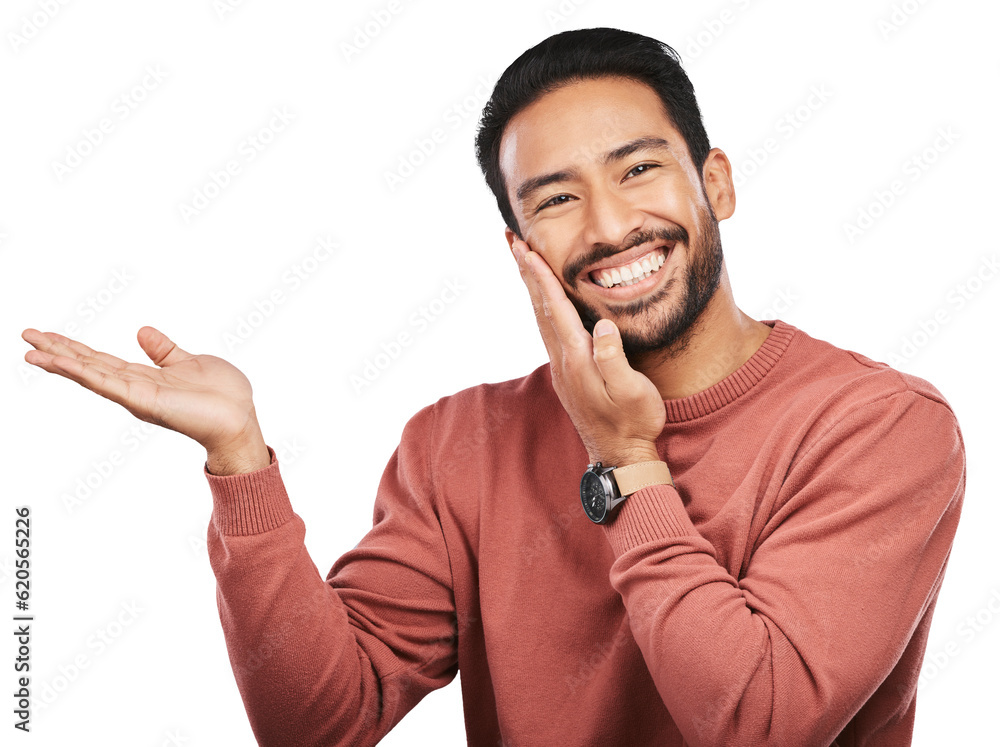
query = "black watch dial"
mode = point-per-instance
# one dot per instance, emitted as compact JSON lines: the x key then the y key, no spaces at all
{"x":595,"y":500}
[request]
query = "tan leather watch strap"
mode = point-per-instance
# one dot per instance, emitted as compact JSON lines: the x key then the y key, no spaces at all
{"x":641,"y":475}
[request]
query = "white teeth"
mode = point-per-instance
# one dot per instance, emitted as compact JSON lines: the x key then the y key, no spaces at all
{"x":633,"y":273}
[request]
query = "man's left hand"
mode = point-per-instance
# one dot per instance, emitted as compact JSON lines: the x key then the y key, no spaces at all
{"x":617,"y":411}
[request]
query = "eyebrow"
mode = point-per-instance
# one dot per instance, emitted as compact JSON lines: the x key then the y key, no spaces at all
{"x":530,"y":186}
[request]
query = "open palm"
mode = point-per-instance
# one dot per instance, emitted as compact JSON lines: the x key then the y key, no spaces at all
{"x":201,"y":396}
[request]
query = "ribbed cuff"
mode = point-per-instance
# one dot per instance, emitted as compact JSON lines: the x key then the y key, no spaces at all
{"x":649,"y":515}
{"x":251,"y":502}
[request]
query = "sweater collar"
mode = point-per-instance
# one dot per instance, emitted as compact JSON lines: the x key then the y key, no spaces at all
{"x":739,"y":382}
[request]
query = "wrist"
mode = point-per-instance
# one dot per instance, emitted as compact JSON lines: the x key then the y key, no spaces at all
{"x":246,"y":455}
{"x":237,"y":462}
{"x":625,"y":457}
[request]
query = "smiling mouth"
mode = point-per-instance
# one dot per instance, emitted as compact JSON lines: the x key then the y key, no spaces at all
{"x":633,"y":272}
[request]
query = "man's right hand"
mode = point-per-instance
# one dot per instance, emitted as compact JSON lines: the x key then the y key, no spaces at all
{"x":201,"y":396}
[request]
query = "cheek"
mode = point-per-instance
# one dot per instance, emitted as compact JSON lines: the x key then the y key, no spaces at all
{"x":666,"y":199}
{"x":554,"y":241}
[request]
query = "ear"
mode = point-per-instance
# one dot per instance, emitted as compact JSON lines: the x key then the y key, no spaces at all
{"x":718,"y":176}
{"x":511,"y":238}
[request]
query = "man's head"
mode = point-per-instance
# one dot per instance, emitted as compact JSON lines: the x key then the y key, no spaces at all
{"x":593,"y":145}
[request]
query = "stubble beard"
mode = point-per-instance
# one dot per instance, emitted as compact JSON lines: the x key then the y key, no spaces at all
{"x":649,"y":330}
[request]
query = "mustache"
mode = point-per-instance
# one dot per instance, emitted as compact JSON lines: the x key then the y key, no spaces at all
{"x":572,"y":270}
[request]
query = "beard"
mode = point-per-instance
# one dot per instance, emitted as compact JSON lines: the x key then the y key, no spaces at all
{"x":646,"y":328}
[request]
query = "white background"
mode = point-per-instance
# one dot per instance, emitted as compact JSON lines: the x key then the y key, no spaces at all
{"x":895,"y":79}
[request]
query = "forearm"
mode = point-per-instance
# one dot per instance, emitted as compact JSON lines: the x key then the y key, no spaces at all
{"x":245,"y":453}
{"x":303,"y":674}
{"x":786,"y":646}
{"x":710,"y":654}
{"x":340,"y":660}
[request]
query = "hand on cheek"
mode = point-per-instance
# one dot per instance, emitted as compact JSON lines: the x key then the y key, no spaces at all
{"x":617,"y":411}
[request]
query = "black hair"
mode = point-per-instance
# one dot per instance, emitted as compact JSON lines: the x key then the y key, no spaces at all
{"x":573,"y":56}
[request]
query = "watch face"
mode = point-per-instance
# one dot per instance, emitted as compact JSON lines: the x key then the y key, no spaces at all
{"x":593,"y":496}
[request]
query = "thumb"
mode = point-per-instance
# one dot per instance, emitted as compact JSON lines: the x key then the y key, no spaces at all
{"x":160,"y":348}
{"x":619,"y":376}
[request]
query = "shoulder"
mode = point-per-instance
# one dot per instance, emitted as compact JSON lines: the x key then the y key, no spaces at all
{"x":841,"y":378}
{"x":836,"y":387}
{"x":470,"y":441}
{"x":470,"y":418}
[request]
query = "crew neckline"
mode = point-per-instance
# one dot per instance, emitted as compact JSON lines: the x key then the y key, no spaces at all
{"x":739,"y":382}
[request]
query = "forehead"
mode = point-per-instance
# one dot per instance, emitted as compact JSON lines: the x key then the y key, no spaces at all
{"x":578,"y":123}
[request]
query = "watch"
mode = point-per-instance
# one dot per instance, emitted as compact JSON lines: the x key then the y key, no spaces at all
{"x":603,"y":489}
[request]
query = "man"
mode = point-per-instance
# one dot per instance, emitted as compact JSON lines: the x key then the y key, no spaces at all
{"x":765,"y":519}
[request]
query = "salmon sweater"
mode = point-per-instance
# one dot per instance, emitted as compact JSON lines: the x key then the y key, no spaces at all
{"x":780,"y":594}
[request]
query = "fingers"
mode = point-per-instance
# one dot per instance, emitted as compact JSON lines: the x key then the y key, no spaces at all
{"x":56,"y":344}
{"x":101,"y":373}
{"x":160,"y":348}
{"x":88,"y":371}
{"x":537,"y":303}
{"x":560,"y":324}
{"x":621,"y":380}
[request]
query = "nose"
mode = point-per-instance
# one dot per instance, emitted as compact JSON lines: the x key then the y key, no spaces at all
{"x":610,"y":217}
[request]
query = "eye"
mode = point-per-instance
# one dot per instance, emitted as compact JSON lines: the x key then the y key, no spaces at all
{"x":557,"y":200}
{"x":642,"y":168}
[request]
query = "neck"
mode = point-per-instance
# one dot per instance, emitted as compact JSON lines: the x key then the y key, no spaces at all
{"x":721,"y":340}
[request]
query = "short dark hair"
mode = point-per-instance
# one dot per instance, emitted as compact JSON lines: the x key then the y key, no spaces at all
{"x":573,"y":56}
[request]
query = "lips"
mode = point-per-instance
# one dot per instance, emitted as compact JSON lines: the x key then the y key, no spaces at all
{"x":631,"y":267}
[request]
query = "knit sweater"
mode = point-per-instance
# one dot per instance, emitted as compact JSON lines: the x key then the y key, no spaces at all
{"x":780,"y":594}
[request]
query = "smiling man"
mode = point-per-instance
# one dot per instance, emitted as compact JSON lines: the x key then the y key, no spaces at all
{"x":687,"y":527}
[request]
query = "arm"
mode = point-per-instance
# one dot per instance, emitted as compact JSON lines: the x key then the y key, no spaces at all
{"x":851,"y":558}
{"x":335,"y":662}
{"x":788,"y":653}
{"x":339,"y":661}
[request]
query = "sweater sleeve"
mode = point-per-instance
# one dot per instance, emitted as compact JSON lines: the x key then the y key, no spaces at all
{"x":340,"y":661}
{"x":850,"y":559}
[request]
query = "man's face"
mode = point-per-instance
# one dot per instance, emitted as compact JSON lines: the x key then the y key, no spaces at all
{"x":604,"y":189}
